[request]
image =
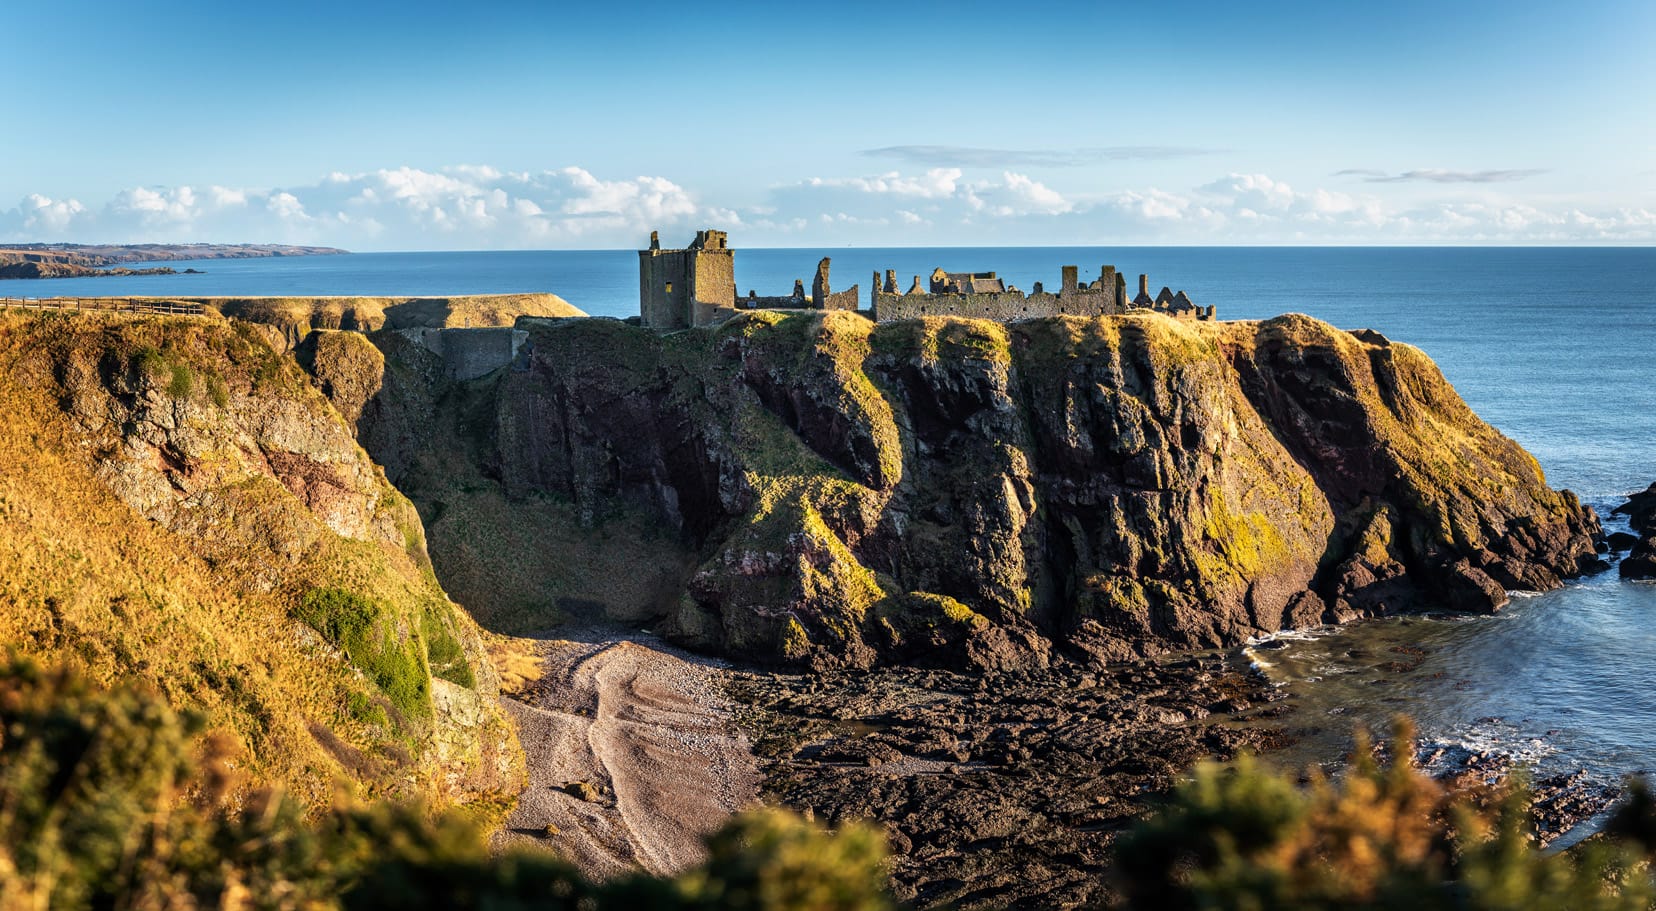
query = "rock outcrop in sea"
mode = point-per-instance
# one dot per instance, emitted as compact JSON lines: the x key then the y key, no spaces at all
{"x":815,"y":489}
{"x":1640,"y":509}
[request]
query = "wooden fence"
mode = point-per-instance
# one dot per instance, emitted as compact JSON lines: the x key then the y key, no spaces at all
{"x":104,"y":304}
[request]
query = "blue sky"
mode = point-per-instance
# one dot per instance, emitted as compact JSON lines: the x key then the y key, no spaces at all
{"x":543,"y":125}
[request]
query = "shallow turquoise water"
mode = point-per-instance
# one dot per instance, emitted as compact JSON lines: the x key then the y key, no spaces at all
{"x":1552,"y":346}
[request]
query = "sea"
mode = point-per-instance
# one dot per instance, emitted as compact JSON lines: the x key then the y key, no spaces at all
{"x":1555,"y":347}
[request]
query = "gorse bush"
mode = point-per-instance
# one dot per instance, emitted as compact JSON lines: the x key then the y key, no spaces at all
{"x":109,"y":799}
{"x":1383,"y":837}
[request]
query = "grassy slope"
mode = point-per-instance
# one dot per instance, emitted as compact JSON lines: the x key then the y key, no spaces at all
{"x":206,"y":612}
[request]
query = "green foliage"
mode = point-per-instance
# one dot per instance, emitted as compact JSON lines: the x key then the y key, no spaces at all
{"x":772,"y":861}
{"x":148,"y":360}
{"x":369,"y":633}
{"x":81,"y":772}
{"x":218,"y":391}
{"x":92,"y":816}
{"x":444,"y":653}
{"x":1250,"y":838}
{"x":182,"y":381}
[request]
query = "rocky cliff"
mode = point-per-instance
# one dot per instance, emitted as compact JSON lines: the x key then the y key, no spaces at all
{"x":182,"y":506}
{"x":814,"y":488}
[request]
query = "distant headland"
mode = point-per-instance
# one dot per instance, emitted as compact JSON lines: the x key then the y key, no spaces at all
{"x":82,"y":260}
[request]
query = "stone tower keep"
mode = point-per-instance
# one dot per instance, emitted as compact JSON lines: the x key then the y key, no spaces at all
{"x":695,"y":286}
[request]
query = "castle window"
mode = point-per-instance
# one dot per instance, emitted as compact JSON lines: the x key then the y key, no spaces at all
{"x":669,"y":287}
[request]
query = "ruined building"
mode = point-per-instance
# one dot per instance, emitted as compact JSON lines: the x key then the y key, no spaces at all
{"x":678,"y":289}
{"x":697,"y":287}
{"x":983,"y":295}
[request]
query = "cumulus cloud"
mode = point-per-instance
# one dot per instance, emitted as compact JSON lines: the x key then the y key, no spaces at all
{"x":467,"y":206}
{"x":935,"y":183}
{"x":479,"y":206}
{"x":40,"y":213}
{"x":1017,"y":194}
{"x":973,"y":157}
{"x":1439,"y":175}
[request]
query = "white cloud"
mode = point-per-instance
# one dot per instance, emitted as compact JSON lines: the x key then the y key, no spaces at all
{"x":936,"y":183}
{"x":156,"y":206}
{"x":286,"y":206}
{"x":1017,"y":194}
{"x":225,"y":198}
{"x":41,"y":213}
{"x":408,"y":208}
{"x":479,"y":206}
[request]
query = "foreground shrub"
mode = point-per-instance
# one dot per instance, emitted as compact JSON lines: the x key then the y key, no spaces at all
{"x":109,"y":799}
{"x":1384,"y":837}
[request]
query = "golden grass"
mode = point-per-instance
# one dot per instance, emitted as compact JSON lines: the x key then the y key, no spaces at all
{"x":203,"y":613}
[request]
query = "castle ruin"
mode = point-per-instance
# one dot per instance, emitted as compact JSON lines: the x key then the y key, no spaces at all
{"x":678,"y":289}
{"x":696,"y":286}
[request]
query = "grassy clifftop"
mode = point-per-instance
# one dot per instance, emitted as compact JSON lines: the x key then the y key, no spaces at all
{"x":183,"y":508}
{"x":295,"y":317}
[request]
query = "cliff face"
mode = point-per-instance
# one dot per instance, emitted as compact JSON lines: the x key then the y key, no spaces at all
{"x":815,"y":488}
{"x":184,"y":507}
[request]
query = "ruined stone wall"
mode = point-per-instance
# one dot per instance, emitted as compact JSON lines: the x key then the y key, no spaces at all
{"x":1005,"y":307}
{"x":839,"y":300}
{"x":756,"y":302}
{"x":663,"y":283}
{"x":713,"y":280}
{"x":470,"y":353}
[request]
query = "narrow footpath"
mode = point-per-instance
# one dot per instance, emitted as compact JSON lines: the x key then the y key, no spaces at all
{"x":632,"y":756}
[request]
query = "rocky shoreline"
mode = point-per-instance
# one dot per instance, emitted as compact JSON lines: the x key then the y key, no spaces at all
{"x":33,"y":261}
{"x":1002,"y":789}
{"x":28,"y":270}
{"x":1007,"y":790}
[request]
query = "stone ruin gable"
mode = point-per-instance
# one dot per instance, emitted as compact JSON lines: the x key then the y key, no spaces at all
{"x":695,"y":286}
{"x":1170,"y":303}
{"x":1105,"y":296}
{"x":967,"y":283}
{"x":823,"y":296}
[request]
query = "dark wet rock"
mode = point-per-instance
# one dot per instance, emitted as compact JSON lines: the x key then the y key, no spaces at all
{"x":1559,"y":803}
{"x":1640,"y":510}
{"x":1621,"y":542}
{"x":1002,"y":790}
{"x":1641,"y":562}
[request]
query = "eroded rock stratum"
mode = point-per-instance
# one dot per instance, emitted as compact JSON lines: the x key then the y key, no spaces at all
{"x":813,"y":488}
